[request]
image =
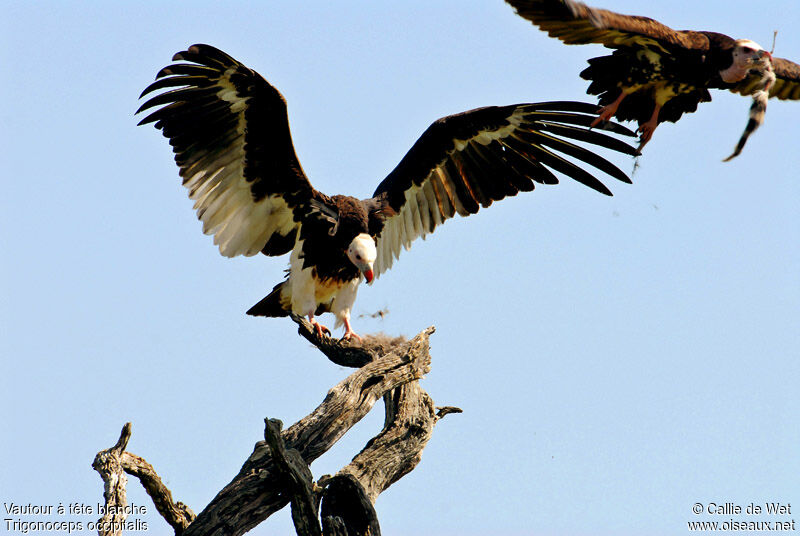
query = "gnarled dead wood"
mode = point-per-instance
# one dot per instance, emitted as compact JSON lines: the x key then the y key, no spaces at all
{"x":278,"y":472}
{"x":346,"y":508}
{"x":397,"y":449}
{"x":300,"y":483}
{"x":177,"y":514}
{"x":112,"y":464}
{"x":109,"y":464}
{"x":255,"y":494}
{"x":351,"y":354}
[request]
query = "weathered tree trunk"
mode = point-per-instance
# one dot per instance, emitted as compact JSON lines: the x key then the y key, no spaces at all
{"x":277,"y":472}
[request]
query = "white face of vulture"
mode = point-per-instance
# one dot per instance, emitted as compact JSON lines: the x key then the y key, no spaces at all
{"x":747,"y":56}
{"x":362,"y":252}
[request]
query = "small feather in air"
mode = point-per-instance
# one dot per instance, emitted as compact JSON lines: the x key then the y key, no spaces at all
{"x":377,"y":314}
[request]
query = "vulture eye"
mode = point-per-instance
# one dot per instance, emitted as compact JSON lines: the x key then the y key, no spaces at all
{"x":358,"y":257}
{"x":748,"y":50}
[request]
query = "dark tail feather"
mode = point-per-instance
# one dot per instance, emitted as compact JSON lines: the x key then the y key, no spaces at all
{"x":271,"y":305}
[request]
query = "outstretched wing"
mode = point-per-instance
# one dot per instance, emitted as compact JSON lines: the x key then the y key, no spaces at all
{"x":787,"y":80}
{"x":230,"y":133}
{"x":576,"y":23}
{"x":786,"y":86}
{"x":787,"y":83}
{"x":467,"y":161}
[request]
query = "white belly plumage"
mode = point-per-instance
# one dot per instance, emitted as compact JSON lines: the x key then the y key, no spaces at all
{"x":307,"y":292}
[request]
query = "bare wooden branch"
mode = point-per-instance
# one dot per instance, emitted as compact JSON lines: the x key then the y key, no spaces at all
{"x":346,"y":508}
{"x":178,"y":515}
{"x":278,"y":469}
{"x":300,"y":483}
{"x":112,"y":464}
{"x":333,"y":526}
{"x":255,"y":493}
{"x":397,"y":449}
{"x":109,"y":464}
{"x":351,"y":353}
{"x":443,"y":411}
{"x":348,"y":497}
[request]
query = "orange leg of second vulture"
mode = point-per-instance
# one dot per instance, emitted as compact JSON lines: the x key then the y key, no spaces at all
{"x":646,"y":129}
{"x":608,"y":111}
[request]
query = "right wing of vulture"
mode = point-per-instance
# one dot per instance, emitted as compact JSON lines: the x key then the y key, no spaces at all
{"x":787,"y":81}
{"x":468,"y":160}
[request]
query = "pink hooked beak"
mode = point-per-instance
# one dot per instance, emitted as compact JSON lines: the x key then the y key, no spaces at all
{"x":767,"y":54}
{"x":369,"y":275}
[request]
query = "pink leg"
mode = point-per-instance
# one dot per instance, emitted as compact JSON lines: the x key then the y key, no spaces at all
{"x":646,"y":129}
{"x":348,"y":331}
{"x":608,"y":111}
{"x":318,"y":327}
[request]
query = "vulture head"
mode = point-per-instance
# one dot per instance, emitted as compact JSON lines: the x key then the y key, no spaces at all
{"x":362,"y":253}
{"x":748,"y":56}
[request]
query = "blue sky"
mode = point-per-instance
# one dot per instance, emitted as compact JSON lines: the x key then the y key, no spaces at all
{"x":617,"y":359}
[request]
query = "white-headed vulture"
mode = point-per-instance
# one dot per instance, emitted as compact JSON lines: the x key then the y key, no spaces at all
{"x":229,"y":131}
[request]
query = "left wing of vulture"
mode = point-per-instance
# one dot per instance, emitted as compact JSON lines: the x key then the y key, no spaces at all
{"x":468,"y":160}
{"x":575,"y":23}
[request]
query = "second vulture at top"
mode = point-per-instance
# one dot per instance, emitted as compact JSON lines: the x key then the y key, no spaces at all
{"x":657,"y":74}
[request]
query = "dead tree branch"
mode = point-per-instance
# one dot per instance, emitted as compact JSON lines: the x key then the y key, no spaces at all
{"x":109,"y":464}
{"x":112,"y":464}
{"x":293,"y":469}
{"x":348,"y":353}
{"x":178,"y":515}
{"x":277,"y":472}
{"x":397,"y":450}
{"x":443,"y":411}
{"x":346,"y":508}
{"x":254,"y":494}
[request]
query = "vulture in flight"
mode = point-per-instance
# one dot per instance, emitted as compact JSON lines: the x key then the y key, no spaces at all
{"x":229,"y":131}
{"x":657,"y":74}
